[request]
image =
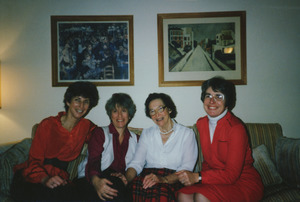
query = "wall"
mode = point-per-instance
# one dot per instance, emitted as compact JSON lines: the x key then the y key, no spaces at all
{"x":271,"y":95}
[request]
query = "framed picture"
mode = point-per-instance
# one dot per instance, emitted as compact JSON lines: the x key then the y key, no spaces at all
{"x":193,"y":47}
{"x":98,"y":49}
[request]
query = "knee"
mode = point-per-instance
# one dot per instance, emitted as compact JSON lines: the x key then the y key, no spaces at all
{"x":200,"y":197}
{"x":184,"y":197}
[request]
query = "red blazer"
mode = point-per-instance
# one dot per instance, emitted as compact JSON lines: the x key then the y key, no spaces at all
{"x":228,"y":159}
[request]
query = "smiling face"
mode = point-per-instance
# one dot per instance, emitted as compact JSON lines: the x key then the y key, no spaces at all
{"x":119,"y":117}
{"x":212,"y":106}
{"x":78,"y":107}
{"x":160,"y":114}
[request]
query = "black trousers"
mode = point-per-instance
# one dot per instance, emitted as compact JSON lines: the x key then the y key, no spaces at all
{"x":88,"y":193}
{"x":22,"y":190}
{"x":78,"y":190}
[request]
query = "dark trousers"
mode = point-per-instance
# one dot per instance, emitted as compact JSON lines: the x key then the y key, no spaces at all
{"x":22,"y":190}
{"x":88,"y":193}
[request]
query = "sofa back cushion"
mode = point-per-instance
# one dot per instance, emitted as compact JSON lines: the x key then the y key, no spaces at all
{"x":264,"y":133}
{"x":288,"y":160}
{"x":265,"y":166}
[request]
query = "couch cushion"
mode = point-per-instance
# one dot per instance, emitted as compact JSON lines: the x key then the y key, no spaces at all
{"x":73,"y":165}
{"x":281,"y":192}
{"x":265,"y":166}
{"x":287,"y":155}
{"x":13,"y":156}
{"x":264,"y":133}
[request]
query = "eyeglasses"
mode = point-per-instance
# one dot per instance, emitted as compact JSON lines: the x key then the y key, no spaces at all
{"x":160,"y":109}
{"x":217,"y":97}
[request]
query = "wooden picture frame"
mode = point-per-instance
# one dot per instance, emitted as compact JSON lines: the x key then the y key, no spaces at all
{"x":193,"y":47}
{"x":98,"y":49}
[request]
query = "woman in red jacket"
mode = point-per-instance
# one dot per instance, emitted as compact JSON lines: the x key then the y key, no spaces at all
{"x":227,"y":172}
{"x":57,"y":141}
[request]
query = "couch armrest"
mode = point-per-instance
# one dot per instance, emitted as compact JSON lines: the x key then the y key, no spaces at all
{"x":6,"y":146}
{"x":287,"y":155}
{"x":16,"y":154}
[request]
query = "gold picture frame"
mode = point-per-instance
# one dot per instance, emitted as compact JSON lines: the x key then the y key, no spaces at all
{"x":193,"y":47}
{"x":98,"y":49}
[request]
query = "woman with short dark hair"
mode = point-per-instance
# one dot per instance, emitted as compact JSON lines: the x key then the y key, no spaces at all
{"x":57,"y":141}
{"x":227,"y":172}
{"x":162,"y":150}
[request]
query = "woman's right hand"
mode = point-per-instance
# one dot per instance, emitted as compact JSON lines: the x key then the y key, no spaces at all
{"x":52,"y":182}
{"x":103,"y":189}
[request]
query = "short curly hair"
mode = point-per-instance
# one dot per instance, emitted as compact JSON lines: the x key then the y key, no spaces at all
{"x":82,"y":88}
{"x":122,"y":100}
{"x":167,"y":100}
{"x":219,"y":84}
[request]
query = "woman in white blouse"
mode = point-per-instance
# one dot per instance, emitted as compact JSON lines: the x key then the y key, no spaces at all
{"x":162,"y":150}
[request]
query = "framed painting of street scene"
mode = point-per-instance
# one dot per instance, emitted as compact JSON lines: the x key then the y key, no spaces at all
{"x":98,"y":49}
{"x":193,"y":47}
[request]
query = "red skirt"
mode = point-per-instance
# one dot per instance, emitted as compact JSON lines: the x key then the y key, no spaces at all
{"x":160,"y":192}
{"x":245,"y":189}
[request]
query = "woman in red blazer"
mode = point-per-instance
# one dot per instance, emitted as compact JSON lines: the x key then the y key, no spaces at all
{"x":227,"y":172}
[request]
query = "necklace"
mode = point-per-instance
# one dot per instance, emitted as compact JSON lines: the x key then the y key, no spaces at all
{"x":163,"y":133}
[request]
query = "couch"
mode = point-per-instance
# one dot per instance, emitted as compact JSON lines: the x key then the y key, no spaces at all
{"x":277,"y":159}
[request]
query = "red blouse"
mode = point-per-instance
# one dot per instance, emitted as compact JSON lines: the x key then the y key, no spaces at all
{"x":53,"y":141}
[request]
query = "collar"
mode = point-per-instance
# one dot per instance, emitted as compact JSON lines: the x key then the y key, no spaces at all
{"x":216,"y":119}
{"x":113,"y":130}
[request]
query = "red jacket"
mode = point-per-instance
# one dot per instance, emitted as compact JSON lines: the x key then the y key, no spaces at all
{"x":228,"y":159}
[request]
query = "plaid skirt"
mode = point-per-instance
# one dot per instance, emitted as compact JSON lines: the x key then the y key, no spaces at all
{"x":160,"y":192}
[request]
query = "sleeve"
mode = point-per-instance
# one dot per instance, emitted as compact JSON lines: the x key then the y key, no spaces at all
{"x":139,"y":159}
{"x":35,"y":170}
{"x":95,"y":149}
{"x":236,"y":152}
{"x":189,"y":151}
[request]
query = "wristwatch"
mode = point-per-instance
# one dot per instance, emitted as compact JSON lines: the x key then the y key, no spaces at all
{"x":200,"y":177}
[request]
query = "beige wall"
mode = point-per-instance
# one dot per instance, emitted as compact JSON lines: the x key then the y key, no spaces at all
{"x":271,"y":95}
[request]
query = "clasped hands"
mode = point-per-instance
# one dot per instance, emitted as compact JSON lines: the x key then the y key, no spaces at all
{"x":187,"y":178}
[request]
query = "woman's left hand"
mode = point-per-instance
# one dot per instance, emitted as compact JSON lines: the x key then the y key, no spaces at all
{"x":186,"y":178}
{"x":150,"y":180}
{"x":122,"y":177}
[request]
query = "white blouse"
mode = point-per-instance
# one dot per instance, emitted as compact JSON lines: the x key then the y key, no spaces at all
{"x":178,"y":153}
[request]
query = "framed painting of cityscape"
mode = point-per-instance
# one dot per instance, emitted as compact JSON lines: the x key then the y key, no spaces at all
{"x":98,"y":49}
{"x":193,"y":47}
